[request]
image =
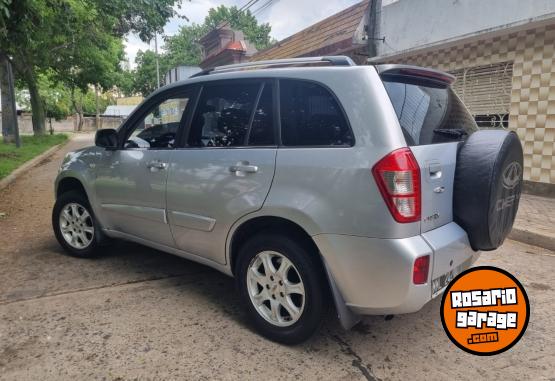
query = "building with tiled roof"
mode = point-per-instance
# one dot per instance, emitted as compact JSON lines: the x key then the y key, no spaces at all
{"x":223,"y":46}
{"x":343,"y":33}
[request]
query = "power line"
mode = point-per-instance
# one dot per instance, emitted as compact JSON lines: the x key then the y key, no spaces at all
{"x":248,"y":5}
{"x":244,"y":8}
{"x":263,"y":7}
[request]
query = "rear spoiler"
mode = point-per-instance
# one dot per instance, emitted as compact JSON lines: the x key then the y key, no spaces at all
{"x":415,"y":72}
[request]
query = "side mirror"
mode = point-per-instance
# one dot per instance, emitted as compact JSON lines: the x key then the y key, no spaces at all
{"x":107,"y":138}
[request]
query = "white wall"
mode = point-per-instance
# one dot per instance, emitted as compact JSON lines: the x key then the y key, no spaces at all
{"x":409,"y":24}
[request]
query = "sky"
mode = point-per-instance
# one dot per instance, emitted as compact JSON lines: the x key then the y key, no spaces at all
{"x":286,"y":17}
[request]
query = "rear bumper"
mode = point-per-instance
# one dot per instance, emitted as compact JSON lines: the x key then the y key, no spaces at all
{"x":374,"y":275}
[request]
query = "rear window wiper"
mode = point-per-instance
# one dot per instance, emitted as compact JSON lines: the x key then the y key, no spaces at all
{"x":451,"y":132}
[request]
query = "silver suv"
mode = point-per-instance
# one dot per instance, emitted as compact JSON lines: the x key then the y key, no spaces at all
{"x":312,"y":181}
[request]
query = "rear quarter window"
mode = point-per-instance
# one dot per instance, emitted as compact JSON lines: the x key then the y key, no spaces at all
{"x":311,"y":116}
{"x":429,"y":113}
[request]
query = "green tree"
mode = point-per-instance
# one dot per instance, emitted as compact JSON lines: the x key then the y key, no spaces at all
{"x":89,"y":102}
{"x":184,"y":48}
{"x":244,"y":21}
{"x":145,"y":79}
{"x":55,"y":97}
{"x":77,"y":39}
{"x":4,"y":14}
{"x":125,"y":82}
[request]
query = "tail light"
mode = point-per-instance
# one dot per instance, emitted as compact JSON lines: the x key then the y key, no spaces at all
{"x":398,"y":178}
{"x":420,"y":270}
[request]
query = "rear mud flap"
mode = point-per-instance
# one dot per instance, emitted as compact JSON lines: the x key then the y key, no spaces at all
{"x":347,"y":318}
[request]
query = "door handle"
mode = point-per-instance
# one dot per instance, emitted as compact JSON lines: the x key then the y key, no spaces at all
{"x":245,"y":168}
{"x":156,"y":164}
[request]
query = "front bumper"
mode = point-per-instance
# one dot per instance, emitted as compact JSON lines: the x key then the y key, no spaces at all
{"x":374,"y":275}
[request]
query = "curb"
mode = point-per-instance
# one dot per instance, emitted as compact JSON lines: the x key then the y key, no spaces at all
{"x":22,"y":169}
{"x":533,"y":238}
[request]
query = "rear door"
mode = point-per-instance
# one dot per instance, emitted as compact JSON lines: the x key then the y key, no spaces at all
{"x":434,"y":121}
{"x":226,"y":166}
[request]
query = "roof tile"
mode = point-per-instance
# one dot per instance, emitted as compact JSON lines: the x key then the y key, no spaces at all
{"x":336,"y":28}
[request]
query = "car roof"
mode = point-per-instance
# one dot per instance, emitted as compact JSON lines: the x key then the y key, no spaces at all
{"x":267,"y":69}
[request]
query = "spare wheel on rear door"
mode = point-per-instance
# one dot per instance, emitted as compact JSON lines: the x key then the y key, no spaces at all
{"x":488,"y":179}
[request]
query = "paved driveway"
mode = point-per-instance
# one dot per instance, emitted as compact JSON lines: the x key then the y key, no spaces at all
{"x":139,"y":313}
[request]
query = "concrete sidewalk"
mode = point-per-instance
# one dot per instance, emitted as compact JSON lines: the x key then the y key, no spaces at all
{"x":535,"y":222}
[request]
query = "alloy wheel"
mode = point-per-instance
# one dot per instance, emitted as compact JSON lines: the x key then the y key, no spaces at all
{"x":76,"y":226}
{"x":276,"y":288}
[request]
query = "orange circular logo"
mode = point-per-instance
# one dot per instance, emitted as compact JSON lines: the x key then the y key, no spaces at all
{"x":485,"y":310}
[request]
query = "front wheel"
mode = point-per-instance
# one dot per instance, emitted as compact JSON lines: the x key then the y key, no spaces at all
{"x":74,"y":225}
{"x":282,"y":286}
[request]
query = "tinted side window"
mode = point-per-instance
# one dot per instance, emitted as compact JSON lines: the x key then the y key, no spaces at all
{"x":223,"y":114}
{"x":262,"y":131}
{"x":310,"y":116}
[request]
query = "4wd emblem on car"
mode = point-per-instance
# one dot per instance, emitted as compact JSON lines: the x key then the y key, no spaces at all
{"x":511,"y":175}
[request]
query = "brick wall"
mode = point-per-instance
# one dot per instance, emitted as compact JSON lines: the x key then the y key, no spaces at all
{"x":25,"y":123}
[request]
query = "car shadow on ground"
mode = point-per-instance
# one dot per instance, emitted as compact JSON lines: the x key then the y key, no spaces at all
{"x":124,"y":263}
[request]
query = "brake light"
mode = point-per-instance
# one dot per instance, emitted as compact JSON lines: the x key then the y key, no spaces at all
{"x":420,"y":270}
{"x":398,"y":178}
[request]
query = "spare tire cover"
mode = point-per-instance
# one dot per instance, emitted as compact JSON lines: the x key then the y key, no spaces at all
{"x":488,"y":181}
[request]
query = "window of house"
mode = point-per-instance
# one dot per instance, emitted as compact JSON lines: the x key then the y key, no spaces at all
{"x":159,"y":128}
{"x":310,"y":116}
{"x":486,"y":92}
{"x":223,"y":115}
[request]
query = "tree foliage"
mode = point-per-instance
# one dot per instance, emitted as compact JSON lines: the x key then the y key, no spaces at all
{"x":57,"y":100}
{"x":145,"y":79}
{"x":258,"y":34}
{"x":4,"y":14}
{"x":144,"y":17}
{"x":55,"y":97}
{"x":79,"y":42}
{"x":184,"y":48}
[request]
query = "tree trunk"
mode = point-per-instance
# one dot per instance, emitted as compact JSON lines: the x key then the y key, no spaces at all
{"x":78,"y":107}
{"x":9,"y":118}
{"x":37,"y":107}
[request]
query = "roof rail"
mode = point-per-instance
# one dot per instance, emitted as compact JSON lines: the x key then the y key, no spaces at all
{"x":331,"y":60}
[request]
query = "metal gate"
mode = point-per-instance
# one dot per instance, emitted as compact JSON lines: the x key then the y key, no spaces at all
{"x":486,"y":91}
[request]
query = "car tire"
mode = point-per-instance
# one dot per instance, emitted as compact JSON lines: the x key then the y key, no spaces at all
{"x":75,"y":225}
{"x":297,"y":282}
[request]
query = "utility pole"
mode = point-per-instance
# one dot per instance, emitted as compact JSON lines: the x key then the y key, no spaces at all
{"x":157,"y":63}
{"x":373,"y":27}
{"x":97,"y":119}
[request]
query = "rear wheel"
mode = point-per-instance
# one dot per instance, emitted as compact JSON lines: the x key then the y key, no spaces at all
{"x":74,"y":225}
{"x":281,"y":284}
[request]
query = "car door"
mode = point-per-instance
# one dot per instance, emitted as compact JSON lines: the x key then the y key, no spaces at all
{"x":226,"y":165}
{"x":131,"y":181}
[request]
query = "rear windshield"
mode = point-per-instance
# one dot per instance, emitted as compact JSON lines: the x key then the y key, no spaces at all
{"x":429,"y":113}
